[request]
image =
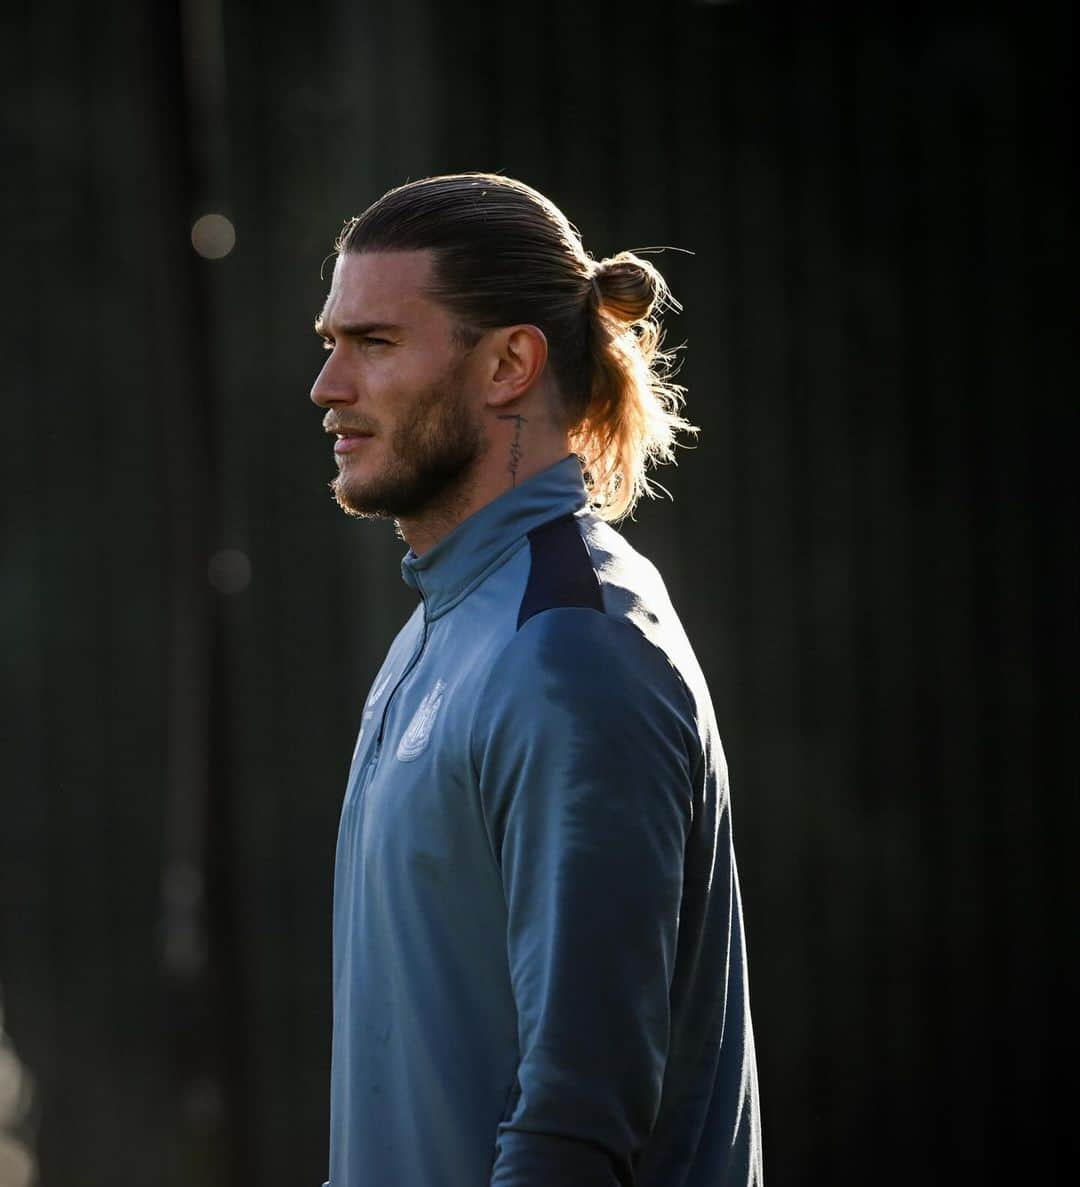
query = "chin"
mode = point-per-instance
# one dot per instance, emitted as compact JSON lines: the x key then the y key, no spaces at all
{"x":402,"y":495}
{"x":359,"y":499}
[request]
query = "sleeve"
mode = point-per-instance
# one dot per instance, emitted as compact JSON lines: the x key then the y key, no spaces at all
{"x":586,"y":747}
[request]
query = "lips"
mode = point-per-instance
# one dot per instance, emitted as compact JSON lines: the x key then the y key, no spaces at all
{"x":349,"y":441}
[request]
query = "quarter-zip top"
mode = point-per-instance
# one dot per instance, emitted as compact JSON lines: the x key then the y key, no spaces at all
{"x":539,"y":962}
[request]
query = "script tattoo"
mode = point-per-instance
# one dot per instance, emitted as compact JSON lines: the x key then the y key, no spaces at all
{"x":515,"y":445}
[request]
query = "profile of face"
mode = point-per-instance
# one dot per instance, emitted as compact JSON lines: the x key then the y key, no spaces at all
{"x":394,"y":388}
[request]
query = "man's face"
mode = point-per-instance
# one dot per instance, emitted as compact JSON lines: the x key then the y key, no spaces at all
{"x":394,"y":387}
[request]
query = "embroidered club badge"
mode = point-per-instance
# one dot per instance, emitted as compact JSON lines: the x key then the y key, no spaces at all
{"x":415,"y":739}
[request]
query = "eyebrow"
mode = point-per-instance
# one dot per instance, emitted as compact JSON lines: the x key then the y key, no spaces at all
{"x":355,"y":329}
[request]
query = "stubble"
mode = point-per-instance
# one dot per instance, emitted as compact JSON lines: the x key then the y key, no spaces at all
{"x":432,"y":452}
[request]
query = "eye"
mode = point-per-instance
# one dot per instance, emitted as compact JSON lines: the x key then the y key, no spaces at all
{"x":369,"y":341}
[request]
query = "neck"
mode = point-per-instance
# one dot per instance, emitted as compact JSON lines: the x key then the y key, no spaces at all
{"x":518,"y":446}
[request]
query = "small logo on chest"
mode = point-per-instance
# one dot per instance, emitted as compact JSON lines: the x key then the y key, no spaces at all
{"x":369,"y":708}
{"x":415,"y":739}
{"x":378,"y":690}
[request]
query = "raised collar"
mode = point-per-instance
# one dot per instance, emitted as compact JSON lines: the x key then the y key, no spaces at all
{"x":460,"y":560}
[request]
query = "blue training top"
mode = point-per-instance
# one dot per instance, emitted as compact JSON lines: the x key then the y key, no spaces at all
{"x":539,"y":965}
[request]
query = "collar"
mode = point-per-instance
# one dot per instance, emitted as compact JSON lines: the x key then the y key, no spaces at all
{"x":461,"y":559}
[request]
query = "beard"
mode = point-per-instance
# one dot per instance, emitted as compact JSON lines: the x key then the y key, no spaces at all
{"x":431,"y":453}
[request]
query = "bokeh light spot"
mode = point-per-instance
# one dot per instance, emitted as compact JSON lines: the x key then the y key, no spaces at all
{"x":229,"y":571}
{"x":213,"y":236}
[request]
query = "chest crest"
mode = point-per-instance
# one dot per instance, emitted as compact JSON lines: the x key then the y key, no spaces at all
{"x":415,"y":739}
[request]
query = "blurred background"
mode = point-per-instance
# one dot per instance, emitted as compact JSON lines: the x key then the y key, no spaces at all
{"x":873,"y":547}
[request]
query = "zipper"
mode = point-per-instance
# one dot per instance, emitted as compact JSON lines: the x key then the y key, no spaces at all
{"x":368,"y":772}
{"x":401,"y":680}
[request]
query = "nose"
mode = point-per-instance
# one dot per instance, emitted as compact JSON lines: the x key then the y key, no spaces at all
{"x":333,"y":385}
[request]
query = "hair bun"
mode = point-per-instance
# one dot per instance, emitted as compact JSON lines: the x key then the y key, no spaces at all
{"x":629,"y":287}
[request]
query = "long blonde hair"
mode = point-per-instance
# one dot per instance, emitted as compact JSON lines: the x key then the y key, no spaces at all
{"x":632,"y":418}
{"x":504,"y":254}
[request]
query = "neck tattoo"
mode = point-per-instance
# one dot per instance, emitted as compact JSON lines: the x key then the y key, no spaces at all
{"x":515,"y":445}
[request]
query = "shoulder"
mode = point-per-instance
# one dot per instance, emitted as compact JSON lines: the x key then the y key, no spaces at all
{"x":582,"y":714}
{"x":583,"y":643}
{"x":582,"y":665}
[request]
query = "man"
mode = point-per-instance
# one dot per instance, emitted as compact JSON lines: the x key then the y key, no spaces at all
{"x":539,"y":965}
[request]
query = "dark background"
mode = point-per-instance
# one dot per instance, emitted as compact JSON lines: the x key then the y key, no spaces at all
{"x":873,"y":547}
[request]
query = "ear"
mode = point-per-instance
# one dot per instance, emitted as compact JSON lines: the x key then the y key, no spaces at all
{"x":518,"y":357}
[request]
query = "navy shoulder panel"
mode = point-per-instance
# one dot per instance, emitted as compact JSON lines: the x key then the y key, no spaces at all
{"x":561,"y":573}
